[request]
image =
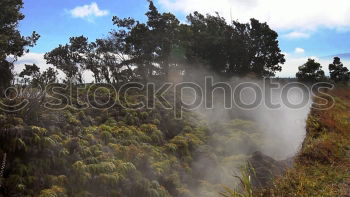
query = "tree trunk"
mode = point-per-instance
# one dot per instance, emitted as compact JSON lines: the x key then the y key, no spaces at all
{"x":2,"y":170}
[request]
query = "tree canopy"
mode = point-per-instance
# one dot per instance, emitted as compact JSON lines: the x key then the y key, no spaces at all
{"x":162,"y":45}
{"x":12,"y":43}
{"x":32,"y":75}
{"x":237,"y":49}
{"x":69,"y":58}
{"x":338,"y":72}
{"x":311,"y":71}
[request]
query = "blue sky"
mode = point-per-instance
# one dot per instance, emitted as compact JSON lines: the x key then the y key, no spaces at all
{"x":54,"y":22}
{"x":315,"y":28}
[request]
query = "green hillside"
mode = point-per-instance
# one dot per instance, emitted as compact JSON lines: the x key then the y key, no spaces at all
{"x":118,"y":152}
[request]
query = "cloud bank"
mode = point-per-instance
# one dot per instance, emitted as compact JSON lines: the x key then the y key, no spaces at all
{"x":282,"y":15}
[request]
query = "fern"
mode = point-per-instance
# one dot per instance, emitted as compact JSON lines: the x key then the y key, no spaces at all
{"x":246,"y":187}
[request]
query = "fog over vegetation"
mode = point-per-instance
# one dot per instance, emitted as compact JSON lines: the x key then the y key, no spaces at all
{"x":281,"y":112}
{"x":62,"y":136}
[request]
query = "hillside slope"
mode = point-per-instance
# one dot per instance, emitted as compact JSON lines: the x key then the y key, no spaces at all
{"x":115,"y":152}
{"x":322,"y":167}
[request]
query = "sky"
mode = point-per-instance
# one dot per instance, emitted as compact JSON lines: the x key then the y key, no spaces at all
{"x":307,"y":28}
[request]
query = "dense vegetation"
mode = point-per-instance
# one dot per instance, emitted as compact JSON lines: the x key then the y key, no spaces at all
{"x":312,"y":72}
{"x":162,"y":47}
{"x":118,"y":152}
{"x":82,"y":152}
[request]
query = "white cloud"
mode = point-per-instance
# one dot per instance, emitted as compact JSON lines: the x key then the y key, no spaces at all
{"x":280,"y":14}
{"x":296,"y":35}
{"x":299,"y":50}
{"x":88,"y":12}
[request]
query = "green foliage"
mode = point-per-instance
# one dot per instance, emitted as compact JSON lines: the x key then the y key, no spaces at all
{"x":38,"y":79}
{"x":119,"y":152}
{"x":246,"y":189}
{"x":338,"y":72}
{"x":109,"y":154}
{"x":162,"y":48}
{"x":68,"y":58}
{"x":311,"y":71}
{"x":93,"y":160}
{"x":237,"y":49}
{"x":11,"y":40}
{"x":54,"y":191}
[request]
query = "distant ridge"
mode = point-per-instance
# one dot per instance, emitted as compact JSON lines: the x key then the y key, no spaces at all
{"x":345,"y":56}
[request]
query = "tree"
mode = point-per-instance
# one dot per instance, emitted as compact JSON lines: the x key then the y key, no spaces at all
{"x":107,"y":60}
{"x":237,"y":49}
{"x":207,"y":41}
{"x":97,"y":60}
{"x":136,"y":42}
{"x":32,"y":71}
{"x":263,"y":51}
{"x":311,"y":71}
{"x":152,"y":50}
{"x":70,"y":58}
{"x":49,"y":76}
{"x":338,"y":72}
{"x":12,"y":43}
{"x":150,"y":46}
{"x":38,"y":78}
{"x":164,"y":29}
